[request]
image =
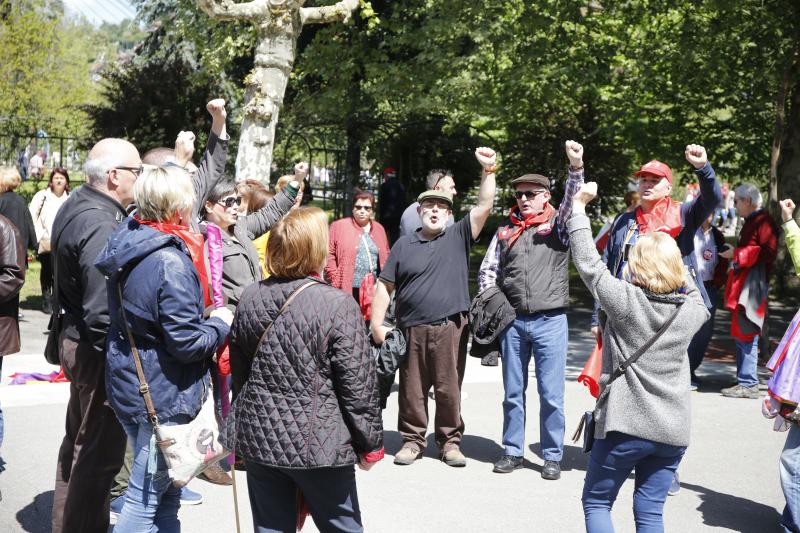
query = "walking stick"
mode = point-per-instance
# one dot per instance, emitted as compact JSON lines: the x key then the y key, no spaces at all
{"x":214,"y":237}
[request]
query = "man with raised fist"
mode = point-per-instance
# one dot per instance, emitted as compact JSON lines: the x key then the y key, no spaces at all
{"x":528,"y":260}
{"x":430,"y":269}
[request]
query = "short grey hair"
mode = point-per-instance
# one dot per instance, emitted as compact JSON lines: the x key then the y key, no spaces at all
{"x":163,"y":192}
{"x":437,"y":175}
{"x":750,"y":191}
{"x":96,"y":169}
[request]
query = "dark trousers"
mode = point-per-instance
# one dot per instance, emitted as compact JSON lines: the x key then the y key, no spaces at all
{"x":330,"y":493}
{"x":46,"y":275}
{"x":699,"y":344}
{"x":93,"y":448}
{"x":437,"y":356}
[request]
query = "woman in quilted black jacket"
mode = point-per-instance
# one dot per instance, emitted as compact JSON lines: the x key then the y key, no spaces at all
{"x":307,"y":405}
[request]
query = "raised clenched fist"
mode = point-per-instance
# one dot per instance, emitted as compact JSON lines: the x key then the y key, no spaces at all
{"x":216,"y":108}
{"x":787,"y":209}
{"x":586,"y":193}
{"x":487,"y":158}
{"x":184,"y":147}
{"x":574,"y":153}
{"x":696,"y":155}
{"x":301,"y":170}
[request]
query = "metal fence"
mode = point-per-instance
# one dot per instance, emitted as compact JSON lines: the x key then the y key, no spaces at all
{"x":17,"y":150}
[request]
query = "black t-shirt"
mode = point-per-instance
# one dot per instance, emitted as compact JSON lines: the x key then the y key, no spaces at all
{"x":430,"y":277}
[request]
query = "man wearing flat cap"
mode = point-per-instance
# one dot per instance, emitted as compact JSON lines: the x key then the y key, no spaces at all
{"x":528,"y":260}
{"x":429,"y":269}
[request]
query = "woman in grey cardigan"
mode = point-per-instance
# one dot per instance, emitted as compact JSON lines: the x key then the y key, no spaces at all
{"x":643,"y":421}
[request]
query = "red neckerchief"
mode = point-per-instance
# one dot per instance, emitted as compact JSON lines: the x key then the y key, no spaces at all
{"x":525,"y":223}
{"x":664,"y":217}
{"x":193,"y":242}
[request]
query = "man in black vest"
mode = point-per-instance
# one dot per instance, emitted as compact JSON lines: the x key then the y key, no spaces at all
{"x":528,"y":259}
{"x":430,"y":269}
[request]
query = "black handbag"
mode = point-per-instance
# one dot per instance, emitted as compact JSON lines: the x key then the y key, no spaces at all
{"x":52,"y":350}
{"x":587,"y":423}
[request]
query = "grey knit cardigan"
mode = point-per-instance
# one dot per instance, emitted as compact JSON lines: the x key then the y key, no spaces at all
{"x":652,"y":399}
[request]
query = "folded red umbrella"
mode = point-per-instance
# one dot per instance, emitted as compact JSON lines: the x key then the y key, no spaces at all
{"x":590,"y":375}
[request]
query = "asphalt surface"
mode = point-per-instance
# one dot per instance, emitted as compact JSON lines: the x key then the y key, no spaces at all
{"x":729,"y":475}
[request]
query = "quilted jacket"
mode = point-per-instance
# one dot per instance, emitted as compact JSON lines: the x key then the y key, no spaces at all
{"x":308,"y":395}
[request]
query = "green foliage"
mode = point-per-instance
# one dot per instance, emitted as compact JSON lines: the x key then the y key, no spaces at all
{"x":419,"y":83}
{"x":45,"y":65}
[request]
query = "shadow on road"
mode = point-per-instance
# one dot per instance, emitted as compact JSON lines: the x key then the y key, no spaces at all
{"x":735,"y":513}
{"x":35,"y":517}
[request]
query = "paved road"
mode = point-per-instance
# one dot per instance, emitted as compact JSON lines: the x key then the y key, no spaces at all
{"x":729,"y":475}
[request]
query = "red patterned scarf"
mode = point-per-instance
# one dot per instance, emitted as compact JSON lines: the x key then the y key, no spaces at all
{"x":664,"y":217}
{"x":193,"y":242}
{"x":524,"y":223}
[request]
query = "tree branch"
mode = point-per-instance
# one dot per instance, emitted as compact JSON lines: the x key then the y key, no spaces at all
{"x":229,"y":10}
{"x":340,"y":11}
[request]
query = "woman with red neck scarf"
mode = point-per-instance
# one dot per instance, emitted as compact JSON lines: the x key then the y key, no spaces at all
{"x":155,"y":274}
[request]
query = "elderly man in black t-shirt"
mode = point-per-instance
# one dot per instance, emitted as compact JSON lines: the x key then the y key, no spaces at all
{"x":429,"y":269}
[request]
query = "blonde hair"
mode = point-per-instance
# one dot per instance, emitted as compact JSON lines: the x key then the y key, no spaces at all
{"x":162,"y":192}
{"x":298,"y":243}
{"x":655,"y":263}
{"x":283,"y":181}
{"x":9,"y":179}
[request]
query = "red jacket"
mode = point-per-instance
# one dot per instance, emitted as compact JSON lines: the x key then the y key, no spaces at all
{"x":758,"y":244}
{"x":343,"y":242}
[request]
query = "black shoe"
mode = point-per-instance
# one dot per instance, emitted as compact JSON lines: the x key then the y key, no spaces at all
{"x":551,"y":470}
{"x":507,"y":464}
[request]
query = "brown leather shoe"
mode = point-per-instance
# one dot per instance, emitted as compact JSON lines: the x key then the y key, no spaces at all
{"x":454,"y":457}
{"x":216,"y":475}
{"x":407,"y":455}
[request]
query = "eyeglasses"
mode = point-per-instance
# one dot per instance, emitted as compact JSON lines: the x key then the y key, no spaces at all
{"x":527,"y":194}
{"x":136,"y":171}
{"x":364,"y":207}
{"x":230,"y":201}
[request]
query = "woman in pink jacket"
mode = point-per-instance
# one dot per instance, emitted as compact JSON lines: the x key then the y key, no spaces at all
{"x":358,"y":245}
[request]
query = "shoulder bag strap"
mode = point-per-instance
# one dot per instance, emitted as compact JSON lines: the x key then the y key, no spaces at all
{"x":366,"y":245}
{"x":620,"y":370}
{"x":291,"y":297}
{"x":144,"y":390}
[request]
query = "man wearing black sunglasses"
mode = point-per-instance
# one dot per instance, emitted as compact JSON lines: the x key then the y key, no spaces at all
{"x":528,"y":260}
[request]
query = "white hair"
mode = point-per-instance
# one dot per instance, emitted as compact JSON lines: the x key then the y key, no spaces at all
{"x":750,"y":191}
{"x":96,"y":169}
{"x":163,"y":192}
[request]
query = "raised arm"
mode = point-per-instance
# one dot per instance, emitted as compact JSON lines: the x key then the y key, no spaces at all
{"x":340,"y":11}
{"x":229,"y":10}
{"x":261,"y":221}
{"x":792,"y":232}
{"x":212,"y":167}
{"x":480,"y":213}
{"x":575,"y":180}
{"x":710,"y":192}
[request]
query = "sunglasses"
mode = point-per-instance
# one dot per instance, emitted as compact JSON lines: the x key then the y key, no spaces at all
{"x":364,"y":207}
{"x":527,"y":194}
{"x":230,"y":201}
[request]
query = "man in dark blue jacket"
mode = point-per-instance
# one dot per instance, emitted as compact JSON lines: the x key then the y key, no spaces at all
{"x":658,"y":212}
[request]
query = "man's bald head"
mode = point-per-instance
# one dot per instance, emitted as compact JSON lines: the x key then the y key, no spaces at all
{"x":108,"y":165}
{"x":158,"y":157}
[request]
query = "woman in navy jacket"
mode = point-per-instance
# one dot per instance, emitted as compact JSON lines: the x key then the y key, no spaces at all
{"x":156,"y":259}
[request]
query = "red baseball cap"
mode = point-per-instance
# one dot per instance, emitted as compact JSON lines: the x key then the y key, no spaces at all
{"x":655,"y":168}
{"x":389,"y":171}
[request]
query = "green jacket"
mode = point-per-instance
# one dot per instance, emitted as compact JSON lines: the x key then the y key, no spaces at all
{"x":793,"y":242}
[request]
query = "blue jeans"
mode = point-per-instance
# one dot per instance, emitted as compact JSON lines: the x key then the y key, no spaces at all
{"x":790,"y":480}
{"x":151,"y":501}
{"x":699,"y":345}
{"x":747,"y":362}
{"x":611,"y":461}
{"x":543,"y":335}
{"x":330,"y":493}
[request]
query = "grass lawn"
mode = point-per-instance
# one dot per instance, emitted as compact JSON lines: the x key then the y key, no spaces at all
{"x":30,"y":297}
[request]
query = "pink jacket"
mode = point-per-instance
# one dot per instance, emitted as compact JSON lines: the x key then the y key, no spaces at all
{"x":344,"y":239}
